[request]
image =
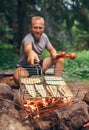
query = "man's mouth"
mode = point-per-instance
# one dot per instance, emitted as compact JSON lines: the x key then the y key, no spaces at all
{"x":37,"y":35}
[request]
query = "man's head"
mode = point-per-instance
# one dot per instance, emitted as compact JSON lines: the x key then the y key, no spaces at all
{"x":37,"y":27}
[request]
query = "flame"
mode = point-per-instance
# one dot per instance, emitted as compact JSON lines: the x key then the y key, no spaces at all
{"x":40,"y":107}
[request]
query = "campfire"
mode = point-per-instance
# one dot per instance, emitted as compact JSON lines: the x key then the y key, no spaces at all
{"x":38,"y":108}
{"x":43,"y":103}
{"x":39,"y":96}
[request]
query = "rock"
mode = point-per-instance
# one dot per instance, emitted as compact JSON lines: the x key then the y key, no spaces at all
{"x":86,"y":98}
{"x":20,"y":73}
{"x":74,"y":116}
{"x":6,"y":91}
{"x":85,"y":128}
{"x":10,"y":123}
{"x":8,"y":80}
{"x":6,"y":73}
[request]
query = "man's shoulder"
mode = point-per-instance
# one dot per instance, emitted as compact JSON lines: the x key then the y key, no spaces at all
{"x":44,"y":36}
{"x":28,"y":35}
{"x":27,"y":38}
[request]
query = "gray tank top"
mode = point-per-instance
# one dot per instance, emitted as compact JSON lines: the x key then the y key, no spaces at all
{"x":38,"y":47}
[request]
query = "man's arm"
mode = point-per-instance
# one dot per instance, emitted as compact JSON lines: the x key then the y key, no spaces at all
{"x":31,"y":55}
{"x":52,"y":51}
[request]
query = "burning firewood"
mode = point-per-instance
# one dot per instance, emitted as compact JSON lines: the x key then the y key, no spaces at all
{"x":43,"y":106}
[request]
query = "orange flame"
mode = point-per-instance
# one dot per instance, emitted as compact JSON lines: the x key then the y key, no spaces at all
{"x":39,"y":107}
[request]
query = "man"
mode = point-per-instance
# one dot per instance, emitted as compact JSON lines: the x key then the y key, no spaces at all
{"x":33,"y":45}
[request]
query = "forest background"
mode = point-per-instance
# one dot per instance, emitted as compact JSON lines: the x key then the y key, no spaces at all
{"x":67,"y":25}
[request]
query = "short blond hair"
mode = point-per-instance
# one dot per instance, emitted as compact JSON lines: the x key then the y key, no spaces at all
{"x":34,"y":18}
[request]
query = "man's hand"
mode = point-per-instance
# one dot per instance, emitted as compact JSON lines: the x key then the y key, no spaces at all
{"x":52,"y":51}
{"x":32,"y":58}
{"x":53,"y":55}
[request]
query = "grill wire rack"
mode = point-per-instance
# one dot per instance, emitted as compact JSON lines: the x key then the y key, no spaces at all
{"x":40,"y":85}
{"x":45,"y":88}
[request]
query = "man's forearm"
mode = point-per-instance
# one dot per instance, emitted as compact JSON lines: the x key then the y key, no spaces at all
{"x":27,"y":49}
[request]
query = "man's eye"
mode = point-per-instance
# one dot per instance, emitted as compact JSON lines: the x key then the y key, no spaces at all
{"x":38,"y":27}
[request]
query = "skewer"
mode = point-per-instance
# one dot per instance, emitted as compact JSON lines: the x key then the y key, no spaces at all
{"x":72,"y":56}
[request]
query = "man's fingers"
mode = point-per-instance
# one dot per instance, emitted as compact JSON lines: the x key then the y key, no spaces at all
{"x":37,"y":59}
{"x":32,"y":61}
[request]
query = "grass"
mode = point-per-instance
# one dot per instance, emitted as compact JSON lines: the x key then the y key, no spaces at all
{"x":78,"y":69}
{"x":74,"y":70}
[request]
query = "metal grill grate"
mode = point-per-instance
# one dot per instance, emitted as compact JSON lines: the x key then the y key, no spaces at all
{"x":44,"y":86}
{"x":42,"y":94}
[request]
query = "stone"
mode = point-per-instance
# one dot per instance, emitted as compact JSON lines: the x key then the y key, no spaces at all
{"x":10,"y":123}
{"x":74,"y":116}
{"x":86,"y":98}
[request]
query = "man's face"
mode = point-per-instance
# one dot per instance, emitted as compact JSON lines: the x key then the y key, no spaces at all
{"x":37,"y":28}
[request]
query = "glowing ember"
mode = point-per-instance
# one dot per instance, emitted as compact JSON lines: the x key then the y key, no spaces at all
{"x":39,"y":107}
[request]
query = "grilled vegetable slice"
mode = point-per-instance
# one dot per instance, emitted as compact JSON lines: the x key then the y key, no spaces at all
{"x":65,"y":91}
{"x":31,"y":90}
{"x":41,"y":90}
{"x":53,"y":90}
{"x":30,"y":80}
{"x":53,"y":78}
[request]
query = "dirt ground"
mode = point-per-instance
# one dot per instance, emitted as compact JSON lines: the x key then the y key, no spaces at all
{"x":79,"y":89}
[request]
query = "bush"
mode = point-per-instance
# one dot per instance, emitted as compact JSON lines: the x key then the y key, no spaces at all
{"x":8,"y":57}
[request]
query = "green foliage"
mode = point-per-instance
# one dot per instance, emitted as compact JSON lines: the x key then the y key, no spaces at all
{"x":8,"y":56}
{"x":78,"y":69}
{"x":67,"y":21}
{"x":45,"y":54}
{"x":5,"y":30}
{"x":81,"y":37}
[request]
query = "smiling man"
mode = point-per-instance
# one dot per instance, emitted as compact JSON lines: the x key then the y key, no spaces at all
{"x":34,"y":44}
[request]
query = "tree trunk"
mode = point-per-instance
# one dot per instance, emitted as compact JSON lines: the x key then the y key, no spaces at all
{"x":21,"y":9}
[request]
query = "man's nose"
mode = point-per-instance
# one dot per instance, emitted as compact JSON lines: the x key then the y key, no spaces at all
{"x":38,"y":29}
